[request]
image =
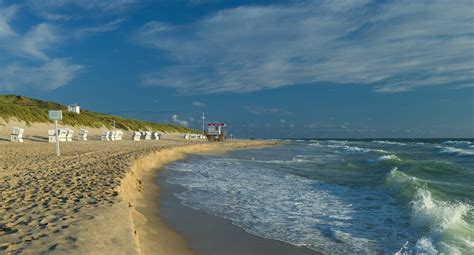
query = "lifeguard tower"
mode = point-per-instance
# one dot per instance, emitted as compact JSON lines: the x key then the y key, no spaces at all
{"x":216,"y":132}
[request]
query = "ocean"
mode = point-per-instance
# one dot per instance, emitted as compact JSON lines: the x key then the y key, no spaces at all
{"x":341,"y":196}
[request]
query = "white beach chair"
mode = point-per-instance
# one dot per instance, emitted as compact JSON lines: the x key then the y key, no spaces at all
{"x":62,"y":135}
{"x":83,"y":134}
{"x":118,"y":135}
{"x":156,"y":136}
{"x":17,"y":135}
{"x":51,"y":136}
{"x":186,"y":136}
{"x":69,"y":134}
{"x":147,"y":135}
{"x":112,"y":135}
{"x":136,"y":135}
{"x":105,"y":136}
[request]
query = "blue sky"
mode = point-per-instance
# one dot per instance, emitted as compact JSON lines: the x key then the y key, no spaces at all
{"x":302,"y":68}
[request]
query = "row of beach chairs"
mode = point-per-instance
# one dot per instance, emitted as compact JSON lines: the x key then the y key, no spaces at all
{"x":145,"y":135}
{"x":66,"y":135}
{"x":194,"y":137}
{"x":113,"y":135}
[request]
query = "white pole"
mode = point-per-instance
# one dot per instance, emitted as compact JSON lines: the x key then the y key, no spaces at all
{"x":203,"y":118}
{"x":58,"y":152}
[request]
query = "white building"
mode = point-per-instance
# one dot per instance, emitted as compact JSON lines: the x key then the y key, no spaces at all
{"x":74,"y":108}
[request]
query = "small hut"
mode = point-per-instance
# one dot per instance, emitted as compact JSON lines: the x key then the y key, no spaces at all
{"x":74,"y":108}
{"x":216,"y":132}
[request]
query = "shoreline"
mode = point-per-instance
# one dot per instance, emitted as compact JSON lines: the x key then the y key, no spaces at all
{"x":152,"y":234}
{"x":213,"y":235}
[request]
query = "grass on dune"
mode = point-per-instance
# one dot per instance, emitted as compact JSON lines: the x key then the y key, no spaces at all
{"x":32,"y":110}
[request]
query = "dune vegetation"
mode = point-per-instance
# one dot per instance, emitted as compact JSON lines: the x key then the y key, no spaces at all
{"x":32,"y":110}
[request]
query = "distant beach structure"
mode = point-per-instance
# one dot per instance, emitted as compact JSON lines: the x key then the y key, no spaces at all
{"x":216,"y":132}
{"x":74,"y":108}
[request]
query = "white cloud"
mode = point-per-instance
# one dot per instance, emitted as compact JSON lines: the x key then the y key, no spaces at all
{"x":39,"y":38}
{"x":108,"y":27}
{"x":26,"y":62}
{"x":175,"y":120}
{"x":52,"y":74}
{"x":198,"y":104}
{"x":6,"y":15}
{"x":70,"y":9}
{"x":394,"y":46}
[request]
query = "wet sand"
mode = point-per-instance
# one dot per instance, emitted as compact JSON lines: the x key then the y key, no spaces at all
{"x":212,"y":235}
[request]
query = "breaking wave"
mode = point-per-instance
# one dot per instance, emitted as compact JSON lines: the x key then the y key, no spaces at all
{"x":458,"y":143}
{"x":348,"y":148}
{"x":385,"y":158}
{"x":456,"y":151}
{"x":388,"y":142}
{"x":445,"y":229}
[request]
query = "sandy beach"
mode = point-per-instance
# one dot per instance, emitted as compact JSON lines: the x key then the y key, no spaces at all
{"x":98,"y":198}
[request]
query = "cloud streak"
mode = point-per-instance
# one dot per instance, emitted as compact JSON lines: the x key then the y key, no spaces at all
{"x":50,"y":75}
{"x":6,"y":15}
{"x":74,"y":9}
{"x":256,"y":110}
{"x":198,"y":104}
{"x":107,"y":27}
{"x":394,"y":46}
{"x":26,"y":62}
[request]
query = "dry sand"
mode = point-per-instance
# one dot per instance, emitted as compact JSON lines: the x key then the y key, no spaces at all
{"x":98,"y":198}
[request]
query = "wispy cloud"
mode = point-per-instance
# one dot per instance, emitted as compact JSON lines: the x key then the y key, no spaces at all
{"x":198,"y":104}
{"x":176,"y":120}
{"x":27,"y":62}
{"x":107,"y":27}
{"x":50,"y":75}
{"x":256,"y":110}
{"x":6,"y":15}
{"x":38,"y":39}
{"x":73,"y":9}
{"x":393,"y":46}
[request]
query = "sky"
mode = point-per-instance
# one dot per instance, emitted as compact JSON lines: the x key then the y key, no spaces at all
{"x":269,"y":69}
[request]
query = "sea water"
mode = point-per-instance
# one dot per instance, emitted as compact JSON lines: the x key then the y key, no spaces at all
{"x":342,"y":196}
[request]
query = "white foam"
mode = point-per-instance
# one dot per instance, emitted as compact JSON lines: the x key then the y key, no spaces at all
{"x":337,"y":141}
{"x":442,"y":220}
{"x":295,"y":159}
{"x":327,"y":218}
{"x":456,"y":151}
{"x":425,"y":245}
{"x":315,"y":144}
{"x":429,"y":212}
{"x":385,"y":158}
{"x":348,"y":148}
{"x":458,"y":143}
{"x":388,"y":142}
